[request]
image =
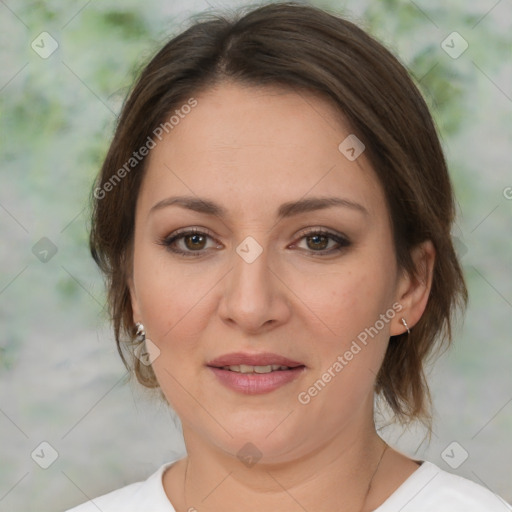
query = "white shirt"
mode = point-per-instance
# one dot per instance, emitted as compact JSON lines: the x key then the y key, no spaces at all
{"x":428,"y":489}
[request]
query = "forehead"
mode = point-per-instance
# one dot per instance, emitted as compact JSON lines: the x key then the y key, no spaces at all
{"x":251,"y":147}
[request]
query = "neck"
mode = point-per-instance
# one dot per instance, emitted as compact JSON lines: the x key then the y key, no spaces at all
{"x":334,"y":474}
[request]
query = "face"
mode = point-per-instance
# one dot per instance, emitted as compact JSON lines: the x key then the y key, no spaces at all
{"x":313,"y":284}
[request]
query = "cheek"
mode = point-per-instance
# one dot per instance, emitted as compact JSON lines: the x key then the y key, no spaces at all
{"x":345,"y":301}
{"x":172,"y":298}
{"x":356,"y":313}
{"x":344,"y":311}
{"x":178,"y":300}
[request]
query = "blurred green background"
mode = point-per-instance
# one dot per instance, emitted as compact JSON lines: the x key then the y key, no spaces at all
{"x":61,"y":380}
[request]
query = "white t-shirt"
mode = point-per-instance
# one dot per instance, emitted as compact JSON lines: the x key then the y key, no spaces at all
{"x":428,"y":489}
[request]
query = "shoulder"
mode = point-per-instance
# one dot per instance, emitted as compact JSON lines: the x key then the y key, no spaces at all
{"x":431,"y":489}
{"x":148,"y":494}
{"x":449,"y":489}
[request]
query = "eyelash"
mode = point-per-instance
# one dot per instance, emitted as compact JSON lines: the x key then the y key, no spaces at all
{"x":168,"y":241}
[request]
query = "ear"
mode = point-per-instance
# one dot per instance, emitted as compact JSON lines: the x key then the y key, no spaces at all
{"x":413,"y":291}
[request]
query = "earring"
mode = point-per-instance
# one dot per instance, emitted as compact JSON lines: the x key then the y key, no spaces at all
{"x":141,"y":333}
{"x":406,"y":326}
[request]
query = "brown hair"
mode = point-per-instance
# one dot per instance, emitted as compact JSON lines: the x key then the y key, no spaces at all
{"x":301,"y":48}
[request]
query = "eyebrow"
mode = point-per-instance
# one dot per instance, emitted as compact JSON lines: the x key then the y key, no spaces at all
{"x":288,"y":209}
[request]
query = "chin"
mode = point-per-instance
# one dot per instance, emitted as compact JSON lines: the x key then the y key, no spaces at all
{"x":269,"y":438}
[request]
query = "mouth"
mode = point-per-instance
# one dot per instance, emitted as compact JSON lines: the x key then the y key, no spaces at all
{"x":246,"y":368}
{"x":255,"y":373}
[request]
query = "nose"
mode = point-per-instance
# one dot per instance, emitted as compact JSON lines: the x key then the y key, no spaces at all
{"x":255,"y":297}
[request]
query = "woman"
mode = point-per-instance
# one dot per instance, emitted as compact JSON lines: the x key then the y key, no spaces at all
{"x":273,"y":217}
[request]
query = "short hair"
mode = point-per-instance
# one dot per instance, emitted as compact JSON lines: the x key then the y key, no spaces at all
{"x":300,"y":48}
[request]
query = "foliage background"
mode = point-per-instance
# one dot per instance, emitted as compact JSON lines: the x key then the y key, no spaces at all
{"x":61,"y":380}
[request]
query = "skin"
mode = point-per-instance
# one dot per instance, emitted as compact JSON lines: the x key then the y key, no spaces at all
{"x":250,"y":150}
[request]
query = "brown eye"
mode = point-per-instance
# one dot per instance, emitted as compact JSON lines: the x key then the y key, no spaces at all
{"x":319,"y":242}
{"x":194,"y":241}
{"x":191,"y":242}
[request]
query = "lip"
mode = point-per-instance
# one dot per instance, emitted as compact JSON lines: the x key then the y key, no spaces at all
{"x":256,"y":383}
{"x":262,"y":359}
